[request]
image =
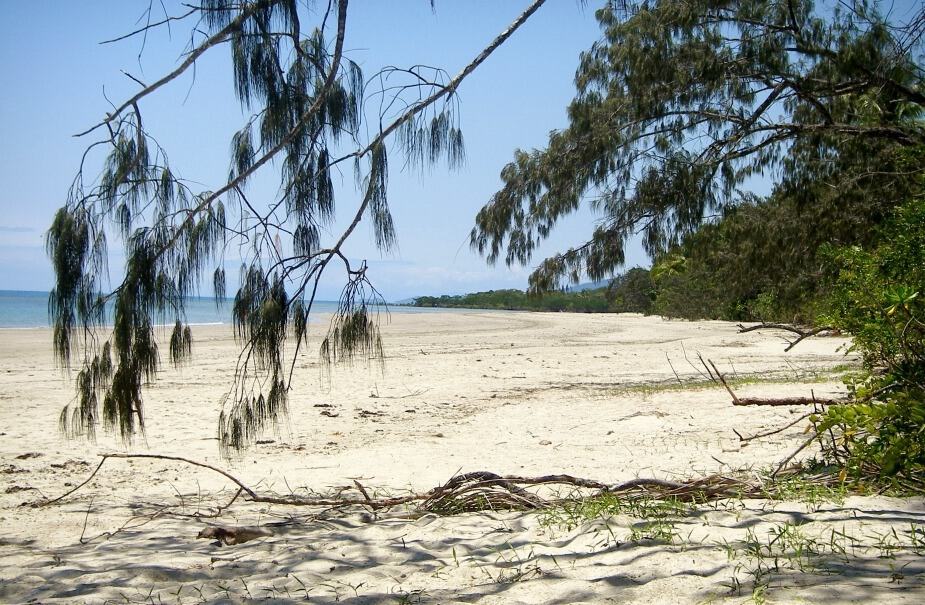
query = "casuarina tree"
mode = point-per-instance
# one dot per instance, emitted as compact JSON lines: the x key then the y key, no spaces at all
{"x":683,"y":103}
{"x":307,"y":118}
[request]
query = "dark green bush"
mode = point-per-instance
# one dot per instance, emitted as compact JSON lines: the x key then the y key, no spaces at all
{"x":632,"y":292}
{"x":878,"y":297}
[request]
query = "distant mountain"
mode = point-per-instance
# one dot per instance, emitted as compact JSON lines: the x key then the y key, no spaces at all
{"x":594,"y":285}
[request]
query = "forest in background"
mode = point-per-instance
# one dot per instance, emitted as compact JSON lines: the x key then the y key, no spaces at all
{"x":774,"y":259}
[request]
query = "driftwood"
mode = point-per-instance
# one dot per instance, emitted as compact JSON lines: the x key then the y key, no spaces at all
{"x":773,"y":401}
{"x":801,"y":332}
{"x":785,"y":401}
{"x":476,"y":491}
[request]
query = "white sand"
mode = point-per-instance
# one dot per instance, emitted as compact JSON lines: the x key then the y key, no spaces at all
{"x":512,"y":393}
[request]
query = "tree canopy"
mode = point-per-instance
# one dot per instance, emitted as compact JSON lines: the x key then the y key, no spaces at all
{"x":680,"y":107}
{"x":307,"y":115}
{"x":682,"y":104}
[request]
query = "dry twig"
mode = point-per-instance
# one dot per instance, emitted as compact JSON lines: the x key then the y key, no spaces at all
{"x":772,"y":432}
{"x":801,"y":333}
{"x":479,"y":491}
{"x":777,"y":401}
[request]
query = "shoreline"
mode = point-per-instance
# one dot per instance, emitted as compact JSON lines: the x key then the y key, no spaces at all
{"x":379,"y":309}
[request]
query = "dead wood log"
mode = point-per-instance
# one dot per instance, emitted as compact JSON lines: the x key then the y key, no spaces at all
{"x":788,"y":401}
{"x":801,"y":332}
{"x":774,"y":401}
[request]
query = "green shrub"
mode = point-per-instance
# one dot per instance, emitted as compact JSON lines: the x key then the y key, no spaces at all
{"x":632,"y":292}
{"x":878,"y":297}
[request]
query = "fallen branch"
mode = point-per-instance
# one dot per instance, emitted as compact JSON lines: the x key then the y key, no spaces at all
{"x":802,"y":447}
{"x":776,"y":401}
{"x":722,"y":379}
{"x":476,"y":491}
{"x":672,"y":368}
{"x":801,"y":333}
{"x":250,"y":494}
{"x":782,"y":401}
{"x":225,"y":474}
{"x":787,"y":401}
{"x":86,"y":481}
{"x":772,"y":432}
{"x":696,"y":369}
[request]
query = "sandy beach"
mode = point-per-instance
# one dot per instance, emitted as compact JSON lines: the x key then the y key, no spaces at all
{"x":607,"y":397}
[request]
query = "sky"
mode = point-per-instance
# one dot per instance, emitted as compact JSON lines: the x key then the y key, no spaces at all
{"x":58,"y":80}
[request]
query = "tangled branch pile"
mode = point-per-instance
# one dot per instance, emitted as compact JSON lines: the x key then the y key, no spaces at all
{"x":483,"y":491}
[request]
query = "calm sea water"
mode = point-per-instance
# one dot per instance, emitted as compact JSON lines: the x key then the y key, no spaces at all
{"x":19,"y":309}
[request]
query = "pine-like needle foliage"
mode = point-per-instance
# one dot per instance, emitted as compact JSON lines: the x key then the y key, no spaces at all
{"x":307,"y":104}
{"x":682,"y":102}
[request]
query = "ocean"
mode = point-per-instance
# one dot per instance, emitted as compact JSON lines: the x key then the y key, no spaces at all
{"x":25,"y":309}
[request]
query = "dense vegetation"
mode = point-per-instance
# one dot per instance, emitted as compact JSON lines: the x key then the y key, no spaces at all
{"x":682,"y":103}
{"x":763,"y":260}
{"x":878,"y":296}
{"x":586,"y":301}
{"x":631,"y":292}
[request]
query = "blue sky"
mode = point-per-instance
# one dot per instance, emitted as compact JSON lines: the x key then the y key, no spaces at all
{"x":57,"y":78}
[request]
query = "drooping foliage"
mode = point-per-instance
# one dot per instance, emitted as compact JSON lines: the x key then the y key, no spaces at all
{"x":306,"y":102}
{"x":762,"y":260}
{"x":682,"y":103}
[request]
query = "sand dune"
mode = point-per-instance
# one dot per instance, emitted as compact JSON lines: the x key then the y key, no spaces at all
{"x":514,"y":393}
